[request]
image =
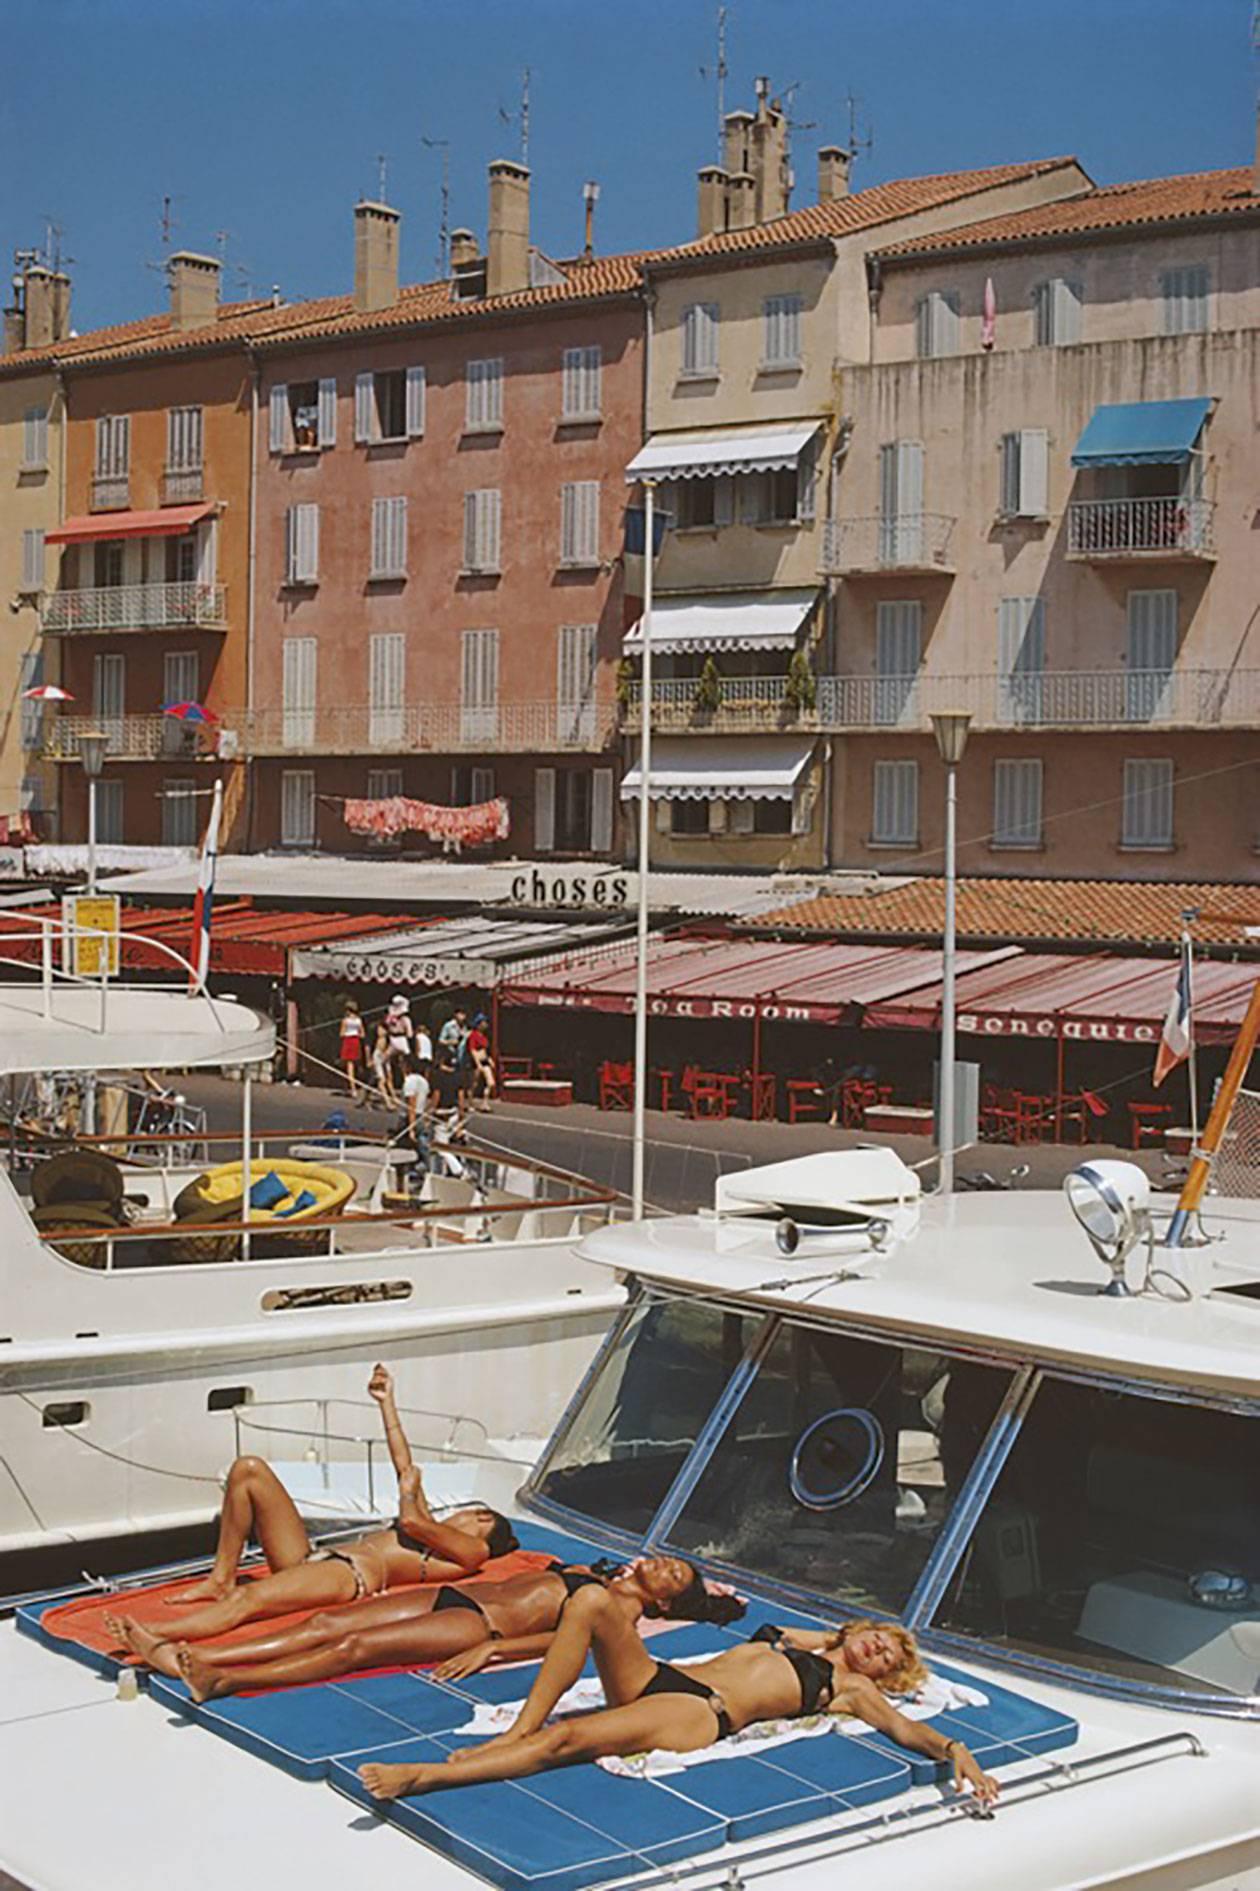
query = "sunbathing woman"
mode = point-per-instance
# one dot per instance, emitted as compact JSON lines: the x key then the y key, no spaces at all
{"x":418,"y":1548}
{"x":463,"y":1627}
{"x":779,"y":1672}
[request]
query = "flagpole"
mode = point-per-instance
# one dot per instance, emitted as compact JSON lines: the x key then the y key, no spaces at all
{"x":205,"y":893}
{"x":1187,"y":950}
{"x":645,"y":829}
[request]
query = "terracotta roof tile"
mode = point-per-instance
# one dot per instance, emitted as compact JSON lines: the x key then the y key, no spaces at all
{"x":1153,"y":200}
{"x":1032,"y":911}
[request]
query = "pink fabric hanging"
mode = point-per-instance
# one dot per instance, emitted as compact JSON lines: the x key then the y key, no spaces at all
{"x":988,"y":321}
{"x":456,"y":828}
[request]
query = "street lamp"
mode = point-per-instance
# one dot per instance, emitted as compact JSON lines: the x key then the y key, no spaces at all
{"x":92,"y":746}
{"x":951,"y":728}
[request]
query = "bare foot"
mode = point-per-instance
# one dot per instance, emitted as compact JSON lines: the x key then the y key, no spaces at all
{"x":213,"y":1589}
{"x":397,"y":1782}
{"x":145,"y":1643}
{"x":203,"y":1681}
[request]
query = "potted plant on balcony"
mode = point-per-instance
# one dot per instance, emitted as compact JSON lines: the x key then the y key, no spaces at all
{"x":708,"y":693}
{"x":625,"y":684}
{"x":800,"y":691}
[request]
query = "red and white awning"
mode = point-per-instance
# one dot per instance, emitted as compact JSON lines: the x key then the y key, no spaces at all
{"x":167,"y":522}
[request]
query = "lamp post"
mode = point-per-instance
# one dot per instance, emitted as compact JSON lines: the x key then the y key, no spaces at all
{"x":950,"y":727}
{"x":92,"y":745}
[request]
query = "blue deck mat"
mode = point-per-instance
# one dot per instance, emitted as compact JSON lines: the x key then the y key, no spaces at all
{"x":30,"y":1621}
{"x":1009,"y":1727}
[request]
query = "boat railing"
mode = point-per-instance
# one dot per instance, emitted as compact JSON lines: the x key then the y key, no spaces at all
{"x":107,"y":952}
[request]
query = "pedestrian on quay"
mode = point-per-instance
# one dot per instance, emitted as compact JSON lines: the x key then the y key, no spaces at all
{"x":398,"y":1025}
{"x":381,"y":1056}
{"x":479,"y":1064}
{"x":447,"y":1100}
{"x":351,"y":1046}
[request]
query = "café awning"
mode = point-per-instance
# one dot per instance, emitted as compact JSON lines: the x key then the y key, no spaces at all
{"x":1141,"y":433}
{"x":168,"y":522}
{"x":472,"y":953}
{"x":713,"y":450}
{"x":725,"y":620}
{"x":709,"y":768}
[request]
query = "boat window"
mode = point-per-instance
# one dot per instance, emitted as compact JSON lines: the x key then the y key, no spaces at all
{"x":840,"y":1466}
{"x":1123,"y":1535}
{"x":642,"y":1412}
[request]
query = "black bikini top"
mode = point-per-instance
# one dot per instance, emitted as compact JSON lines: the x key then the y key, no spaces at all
{"x":573,"y":1578}
{"x":816,"y":1676}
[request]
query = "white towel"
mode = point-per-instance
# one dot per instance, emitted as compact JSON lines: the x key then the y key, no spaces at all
{"x":937,"y":1696}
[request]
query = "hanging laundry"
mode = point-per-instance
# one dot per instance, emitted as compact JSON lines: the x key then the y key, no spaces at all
{"x":16,"y":830}
{"x":456,"y":828}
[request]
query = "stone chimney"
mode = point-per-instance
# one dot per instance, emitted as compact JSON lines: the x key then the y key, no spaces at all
{"x":741,"y":200}
{"x":507,"y":235}
{"x":463,"y":248}
{"x":833,"y":173}
{"x":14,"y":330}
{"x":375,"y":256}
{"x":768,"y":155}
{"x":711,"y":211}
{"x":194,"y":284}
{"x":45,"y":306}
{"x":737,"y":140}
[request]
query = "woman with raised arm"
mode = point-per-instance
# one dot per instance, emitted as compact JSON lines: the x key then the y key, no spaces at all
{"x":850,"y":1671}
{"x":463,"y":1626}
{"x":418,"y":1548}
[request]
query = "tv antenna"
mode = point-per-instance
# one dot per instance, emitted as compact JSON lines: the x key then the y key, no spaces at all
{"x":53,"y":254}
{"x":719,"y":72}
{"x":520,"y":116}
{"x":862,"y":139}
{"x":444,"y":228}
{"x":168,"y":221}
{"x":382,"y":166}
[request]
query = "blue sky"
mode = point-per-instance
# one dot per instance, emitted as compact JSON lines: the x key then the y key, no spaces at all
{"x":264,"y":118}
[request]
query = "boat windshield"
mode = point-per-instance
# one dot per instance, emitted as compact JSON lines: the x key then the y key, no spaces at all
{"x":1123,"y":1536}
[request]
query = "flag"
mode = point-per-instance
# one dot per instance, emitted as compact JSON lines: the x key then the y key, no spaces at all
{"x":1177,"y":1039}
{"x":204,"y":902}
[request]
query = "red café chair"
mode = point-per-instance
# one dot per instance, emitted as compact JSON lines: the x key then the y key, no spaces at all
{"x":763,"y":1097}
{"x":616,"y":1086}
{"x":710,"y":1095}
{"x":804,"y":1099}
{"x":1148,"y":1121}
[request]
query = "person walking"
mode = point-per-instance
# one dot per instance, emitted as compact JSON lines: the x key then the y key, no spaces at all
{"x":351,"y":1046}
{"x":479,"y":1063}
{"x":381,"y":1056}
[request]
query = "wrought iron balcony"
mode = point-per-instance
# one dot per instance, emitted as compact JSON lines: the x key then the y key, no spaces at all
{"x":746,"y":704}
{"x":111,"y":492}
{"x":1053,"y":699}
{"x":181,"y":486}
{"x":1147,"y":529}
{"x":129,"y":738}
{"x":529,"y":728}
{"x":136,"y":607}
{"x":904,"y":542}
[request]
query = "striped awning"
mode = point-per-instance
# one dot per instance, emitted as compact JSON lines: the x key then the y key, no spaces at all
{"x":714,"y":450}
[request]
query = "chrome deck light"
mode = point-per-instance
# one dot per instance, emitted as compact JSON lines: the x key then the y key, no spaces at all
{"x":1112,"y":1203}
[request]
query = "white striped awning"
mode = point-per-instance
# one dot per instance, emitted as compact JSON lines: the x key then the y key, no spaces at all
{"x":726,"y":620}
{"x":713,"y":450}
{"x":705,"y":768}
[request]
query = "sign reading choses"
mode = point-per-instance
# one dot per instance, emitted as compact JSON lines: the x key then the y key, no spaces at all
{"x":607,"y":890}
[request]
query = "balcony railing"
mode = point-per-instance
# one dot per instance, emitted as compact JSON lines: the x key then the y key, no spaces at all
{"x":183,"y":485}
{"x":910,"y":541}
{"x":111,"y":492}
{"x":136,"y":607}
{"x":129,"y":738}
{"x":1054,"y":699}
{"x":529,"y":728}
{"x":1140,"y":528}
{"x":748,"y":704}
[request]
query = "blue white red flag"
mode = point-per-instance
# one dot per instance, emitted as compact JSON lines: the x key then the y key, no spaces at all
{"x":203,"y":905}
{"x":1177,"y":1039}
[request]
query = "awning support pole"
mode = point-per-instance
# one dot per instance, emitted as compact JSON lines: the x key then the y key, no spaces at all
{"x":247,"y":1130}
{"x":1058,"y":1087}
{"x":756,"y":1063}
{"x":645,"y":829}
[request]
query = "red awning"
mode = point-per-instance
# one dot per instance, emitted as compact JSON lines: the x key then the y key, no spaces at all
{"x":243,"y":940}
{"x":169,"y":522}
{"x":824,"y":983}
{"x":1097,"y":1000}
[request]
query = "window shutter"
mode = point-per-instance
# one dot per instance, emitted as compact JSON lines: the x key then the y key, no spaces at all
{"x":415,"y":403}
{"x":297,"y":807}
{"x":303,"y":544}
{"x":724,"y":499}
{"x":1017,"y":803}
{"x":700,"y":338}
{"x":572,"y":384}
{"x":1021,"y":657}
{"x":1010,"y":494}
{"x":280,"y":437}
{"x":806,"y":479}
{"x":898,"y":637}
{"x":327,"y":434}
{"x":895,"y":803}
{"x":30,"y":676}
{"x":386,"y":656}
{"x":544,"y":809}
{"x":180,"y":676}
{"x":568,"y":523}
{"x":1034,"y":472}
{"x":380,"y":559}
{"x":398,"y":548}
{"x":592,"y":373}
{"x":33,"y":558}
{"x":491,"y":519}
{"x":298,"y":685}
{"x":1148,"y":804}
{"x":35,"y":438}
{"x":122,"y":445}
{"x":741,"y":816}
{"x":364,"y":409}
{"x":1152,"y":630}
{"x":579,"y":522}
{"x":602,"y":811}
{"x":470,"y":531}
{"x":1067,"y":323}
{"x":923,"y":327}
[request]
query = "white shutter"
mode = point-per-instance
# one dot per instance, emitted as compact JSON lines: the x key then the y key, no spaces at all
{"x":571,"y":383}
{"x":575,"y":682}
{"x":206,"y":540}
{"x":1185,"y":293}
{"x":297,"y":807}
{"x":415,"y":403}
{"x":895,"y":803}
{"x":479,"y":680}
{"x":31,"y":676}
{"x":122,"y":445}
{"x":1068,"y":297}
{"x":700,"y":338}
{"x":1148,"y":804}
{"x":386,"y":659}
{"x":298,"y":686}
{"x":568,"y":523}
{"x":806,"y":479}
{"x":1021,"y":658}
{"x":1034,"y":472}
{"x":33,"y":558}
{"x":303,"y":544}
{"x":1010,"y":475}
{"x":35,"y":439}
{"x":1152,"y":652}
{"x":281,"y":438}
{"x":490,"y":521}
{"x":579,"y":522}
{"x":181,"y":679}
{"x":484,"y":381}
{"x":1017,"y":803}
{"x":601,"y":810}
{"x":544,"y":810}
{"x":364,"y":409}
{"x":327,"y":434}
{"x":898,"y":653}
{"x":901,"y":502}
{"x":470,"y":531}
{"x":580,"y":383}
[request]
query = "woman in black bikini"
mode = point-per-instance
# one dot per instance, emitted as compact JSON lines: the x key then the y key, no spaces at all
{"x":419,"y":1547}
{"x":463,"y":1627}
{"x":777,"y":1673}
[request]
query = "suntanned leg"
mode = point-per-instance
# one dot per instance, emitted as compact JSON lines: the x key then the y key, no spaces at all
{"x":318,"y":1630}
{"x":679,"y":1722}
{"x":145,"y":1643}
{"x":256,"y":1502}
{"x":308,"y":1586}
{"x":432,"y":1638}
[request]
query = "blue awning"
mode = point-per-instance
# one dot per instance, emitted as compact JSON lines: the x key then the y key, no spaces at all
{"x":1141,"y":433}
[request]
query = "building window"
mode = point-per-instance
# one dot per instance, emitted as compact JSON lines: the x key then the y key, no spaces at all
{"x":1057,"y":313}
{"x":471,"y":785}
{"x":386,"y":670}
{"x":1151,"y":653}
{"x":179,"y":813}
{"x":484,"y":382}
{"x":901,"y":538}
{"x":1147,"y":820}
{"x":688,"y":817}
{"x":297,"y":807}
{"x":109,"y":812}
{"x":1021,"y":658}
{"x":300,"y":661}
{"x":384,"y":784}
{"x":937,"y":324}
{"x":113,"y":446}
{"x":181,"y":677}
{"x":303,"y":416}
{"x":109,"y":693}
{"x":479,"y":686}
{"x":34,"y":440}
{"x":389,"y":539}
{"x":770,"y":498}
{"x":302,"y":545}
{"x":180,"y":560}
{"x":762,"y":817}
{"x":700,"y":339}
{"x":781,"y":332}
{"x":183,"y":440}
{"x":895,"y":804}
{"x":695,"y":503}
{"x":581,"y":391}
{"x":389,"y":406}
{"x":482,"y":517}
{"x":579,"y":522}
{"x":30,"y":676}
{"x":898,"y":652}
{"x":575,"y":683}
{"x":1017,"y":803}
{"x":1025,"y":474}
{"x":1185,"y":298}
{"x":33,"y":558}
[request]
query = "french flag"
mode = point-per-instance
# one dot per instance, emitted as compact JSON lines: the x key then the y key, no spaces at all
{"x":1177,"y":1039}
{"x":203,"y":905}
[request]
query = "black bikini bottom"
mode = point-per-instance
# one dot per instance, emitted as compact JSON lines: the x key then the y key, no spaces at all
{"x":668,"y":1680}
{"x":448,"y":1598}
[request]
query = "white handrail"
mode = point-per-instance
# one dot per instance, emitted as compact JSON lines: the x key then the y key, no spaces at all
{"x":46,"y":929}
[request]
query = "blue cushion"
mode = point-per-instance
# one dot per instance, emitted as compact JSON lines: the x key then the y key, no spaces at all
{"x":1007,"y":1728}
{"x":751,"y":1798}
{"x":304,"y":1200}
{"x":267,"y":1191}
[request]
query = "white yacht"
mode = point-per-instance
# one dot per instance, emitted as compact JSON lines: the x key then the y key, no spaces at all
{"x":844,"y":1399}
{"x":137,"y":1345}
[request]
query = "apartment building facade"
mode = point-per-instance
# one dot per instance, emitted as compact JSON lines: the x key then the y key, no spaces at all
{"x":440,"y":596}
{"x":1046,"y":517}
{"x":753,"y":328}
